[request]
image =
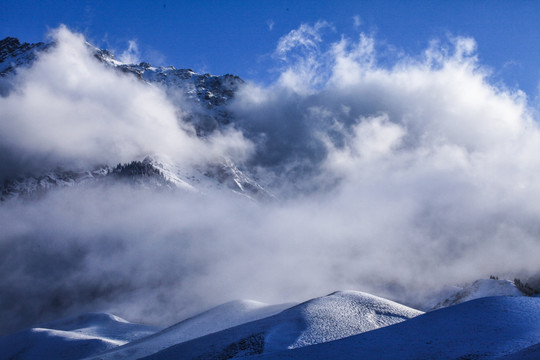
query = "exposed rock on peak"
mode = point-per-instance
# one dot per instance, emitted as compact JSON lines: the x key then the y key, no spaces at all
{"x":14,"y":54}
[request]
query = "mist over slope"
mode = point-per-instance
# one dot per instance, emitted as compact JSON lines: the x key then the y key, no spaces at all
{"x":391,"y":176}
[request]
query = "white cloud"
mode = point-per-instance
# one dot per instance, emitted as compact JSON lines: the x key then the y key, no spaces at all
{"x":435,"y":166}
{"x":131,"y":55}
{"x":357,"y":21}
{"x":306,"y":37}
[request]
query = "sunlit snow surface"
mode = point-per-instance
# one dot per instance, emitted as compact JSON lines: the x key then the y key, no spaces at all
{"x":328,"y":318}
{"x":219,"y":318}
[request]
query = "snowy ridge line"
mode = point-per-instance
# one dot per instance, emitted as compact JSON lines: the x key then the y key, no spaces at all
{"x":341,"y":325}
{"x":151,"y":172}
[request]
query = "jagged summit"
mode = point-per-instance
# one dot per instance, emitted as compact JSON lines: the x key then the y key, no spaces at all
{"x":14,"y":54}
{"x":210,"y":92}
{"x":213,"y":90}
{"x":8,"y":45}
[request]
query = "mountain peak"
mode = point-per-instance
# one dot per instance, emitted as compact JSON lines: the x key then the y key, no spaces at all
{"x":9,"y":43}
{"x":14,"y":54}
{"x":479,"y":289}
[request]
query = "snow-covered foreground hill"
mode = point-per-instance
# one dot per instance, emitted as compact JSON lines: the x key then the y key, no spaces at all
{"x":328,"y":318}
{"x":342,"y":325}
{"x":219,"y":318}
{"x":231,"y":330}
{"x":485,"y":328}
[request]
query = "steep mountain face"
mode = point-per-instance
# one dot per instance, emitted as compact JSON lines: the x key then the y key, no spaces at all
{"x":207,"y":94}
{"x":203,"y":97}
{"x":13,"y":54}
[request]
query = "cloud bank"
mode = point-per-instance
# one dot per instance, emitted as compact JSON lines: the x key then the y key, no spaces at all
{"x":392,"y":177}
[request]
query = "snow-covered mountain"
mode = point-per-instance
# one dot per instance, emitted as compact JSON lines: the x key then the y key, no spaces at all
{"x":210,"y":91}
{"x":13,"y":54}
{"x":207,"y":94}
{"x":150,"y":172}
{"x":204,"y":98}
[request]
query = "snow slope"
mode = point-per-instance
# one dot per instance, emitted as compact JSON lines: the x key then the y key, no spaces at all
{"x":219,"y":318}
{"x":72,"y":338}
{"x":485,"y":328}
{"x":328,"y":318}
{"x":479,"y":289}
{"x":529,"y":353}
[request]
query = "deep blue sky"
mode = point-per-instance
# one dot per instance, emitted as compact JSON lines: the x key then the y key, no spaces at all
{"x":235,"y":36}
